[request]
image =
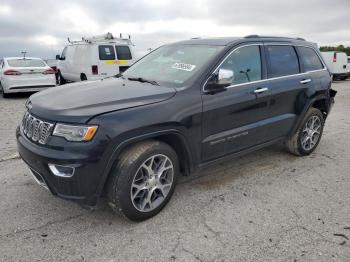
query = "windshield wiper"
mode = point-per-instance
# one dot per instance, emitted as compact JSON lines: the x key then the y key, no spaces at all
{"x":143,"y":80}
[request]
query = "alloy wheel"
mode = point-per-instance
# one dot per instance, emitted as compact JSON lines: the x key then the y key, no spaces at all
{"x":311,"y":133}
{"x":152,"y":183}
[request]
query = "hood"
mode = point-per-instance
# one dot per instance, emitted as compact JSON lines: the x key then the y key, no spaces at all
{"x":78,"y":102}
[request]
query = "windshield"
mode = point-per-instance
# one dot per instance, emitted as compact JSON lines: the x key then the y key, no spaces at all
{"x":26,"y":63}
{"x":173,"y":64}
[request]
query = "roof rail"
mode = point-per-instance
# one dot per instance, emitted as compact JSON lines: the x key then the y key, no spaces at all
{"x":258,"y":36}
{"x":102,"y":38}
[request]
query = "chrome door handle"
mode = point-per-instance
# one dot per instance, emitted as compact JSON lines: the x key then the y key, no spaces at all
{"x":304,"y":81}
{"x":261,"y":90}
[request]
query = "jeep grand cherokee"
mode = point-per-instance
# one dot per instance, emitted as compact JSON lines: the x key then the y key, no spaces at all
{"x":180,"y":108}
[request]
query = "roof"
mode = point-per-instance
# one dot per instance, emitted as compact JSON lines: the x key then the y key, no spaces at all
{"x":224,"y":41}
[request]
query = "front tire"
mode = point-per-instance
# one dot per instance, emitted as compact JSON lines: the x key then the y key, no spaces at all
{"x":143,"y":180}
{"x":306,"y":138}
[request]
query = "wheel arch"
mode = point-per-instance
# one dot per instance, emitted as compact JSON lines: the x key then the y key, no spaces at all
{"x":321,"y":102}
{"x":171,"y":137}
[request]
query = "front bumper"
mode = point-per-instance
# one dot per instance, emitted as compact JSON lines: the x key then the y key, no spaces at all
{"x":82,"y":187}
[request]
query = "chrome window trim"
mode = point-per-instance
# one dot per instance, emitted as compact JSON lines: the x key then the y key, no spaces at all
{"x":267,"y":79}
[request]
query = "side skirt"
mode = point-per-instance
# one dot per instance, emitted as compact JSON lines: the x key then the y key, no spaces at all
{"x":237,"y":154}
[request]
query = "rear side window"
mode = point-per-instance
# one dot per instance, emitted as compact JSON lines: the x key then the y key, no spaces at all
{"x":245,"y":62}
{"x":309,"y":58}
{"x":349,"y":60}
{"x":106,"y":52}
{"x":123,"y":53}
{"x":283,"y":61}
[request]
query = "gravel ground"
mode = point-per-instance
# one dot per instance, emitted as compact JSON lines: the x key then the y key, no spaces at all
{"x":265,"y":206}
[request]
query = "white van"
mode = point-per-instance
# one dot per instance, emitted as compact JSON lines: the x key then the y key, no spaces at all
{"x":94,"y":58}
{"x":337,"y":63}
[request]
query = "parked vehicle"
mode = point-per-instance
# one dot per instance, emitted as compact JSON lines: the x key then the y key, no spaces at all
{"x":30,"y":74}
{"x":180,"y":108}
{"x":337,"y":64}
{"x":94,"y":58}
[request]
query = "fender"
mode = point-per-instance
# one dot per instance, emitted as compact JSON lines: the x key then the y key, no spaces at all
{"x":118,"y":148}
{"x":306,"y":108}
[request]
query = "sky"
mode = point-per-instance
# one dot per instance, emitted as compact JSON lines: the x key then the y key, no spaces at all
{"x":42,"y":27}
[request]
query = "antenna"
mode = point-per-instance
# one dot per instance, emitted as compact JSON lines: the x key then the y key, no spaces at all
{"x":24,"y":54}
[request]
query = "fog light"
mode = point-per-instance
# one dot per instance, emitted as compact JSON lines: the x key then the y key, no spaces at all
{"x":62,"y":171}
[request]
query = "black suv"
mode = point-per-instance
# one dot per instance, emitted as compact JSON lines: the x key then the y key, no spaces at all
{"x":180,"y":108}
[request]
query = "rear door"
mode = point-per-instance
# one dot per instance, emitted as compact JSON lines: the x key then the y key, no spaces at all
{"x":313,"y":67}
{"x":286,"y":85}
{"x":107,"y":65}
{"x":124,"y":57}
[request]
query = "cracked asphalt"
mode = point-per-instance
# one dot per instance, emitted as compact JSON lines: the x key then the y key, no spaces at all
{"x":265,"y":206}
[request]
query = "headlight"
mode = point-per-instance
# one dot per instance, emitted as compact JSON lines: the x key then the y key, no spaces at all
{"x":75,"y":133}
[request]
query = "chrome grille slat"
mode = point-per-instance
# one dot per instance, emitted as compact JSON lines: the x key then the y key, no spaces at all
{"x":35,"y":129}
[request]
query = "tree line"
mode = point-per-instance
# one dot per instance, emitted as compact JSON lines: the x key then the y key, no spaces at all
{"x":339,"y":48}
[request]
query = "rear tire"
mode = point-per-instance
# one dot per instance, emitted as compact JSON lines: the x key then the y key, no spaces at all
{"x":306,"y":138}
{"x":60,"y":79}
{"x":83,"y":77}
{"x":143,"y":180}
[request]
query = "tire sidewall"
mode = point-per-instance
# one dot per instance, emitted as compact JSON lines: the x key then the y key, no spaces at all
{"x":312,"y":112}
{"x":122,"y":185}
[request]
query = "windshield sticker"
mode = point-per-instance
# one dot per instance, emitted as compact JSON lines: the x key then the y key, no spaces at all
{"x":183,"y":66}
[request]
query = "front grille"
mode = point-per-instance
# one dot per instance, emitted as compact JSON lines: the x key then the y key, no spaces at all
{"x":36,"y":129}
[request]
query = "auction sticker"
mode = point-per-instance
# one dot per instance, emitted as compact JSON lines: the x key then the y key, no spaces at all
{"x":183,"y":66}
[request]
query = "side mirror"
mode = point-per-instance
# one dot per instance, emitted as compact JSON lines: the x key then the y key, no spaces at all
{"x":225,"y":77}
{"x":58,"y":57}
{"x":219,"y":81}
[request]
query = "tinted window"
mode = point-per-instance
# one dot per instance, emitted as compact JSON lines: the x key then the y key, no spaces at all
{"x":26,"y":63}
{"x":123,"y":53}
{"x":106,"y":52}
{"x":349,"y":60}
{"x":245,"y":63}
{"x":309,"y":58}
{"x":283,"y":61}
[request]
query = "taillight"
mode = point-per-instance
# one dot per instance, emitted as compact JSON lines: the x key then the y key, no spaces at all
{"x":49,"y":72}
{"x":94,"y":69}
{"x":12,"y":72}
{"x":335,"y":57}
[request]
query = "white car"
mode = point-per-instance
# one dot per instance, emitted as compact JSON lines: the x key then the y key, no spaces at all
{"x":30,"y":74}
{"x":94,"y":58}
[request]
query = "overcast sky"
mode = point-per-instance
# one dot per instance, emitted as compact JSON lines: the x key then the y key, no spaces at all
{"x":42,"y":27}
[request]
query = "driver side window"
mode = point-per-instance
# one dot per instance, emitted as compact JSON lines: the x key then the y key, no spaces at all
{"x":245,"y":62}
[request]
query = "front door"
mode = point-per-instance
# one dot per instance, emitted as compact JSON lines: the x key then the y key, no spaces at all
{"x":233,"y":120}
